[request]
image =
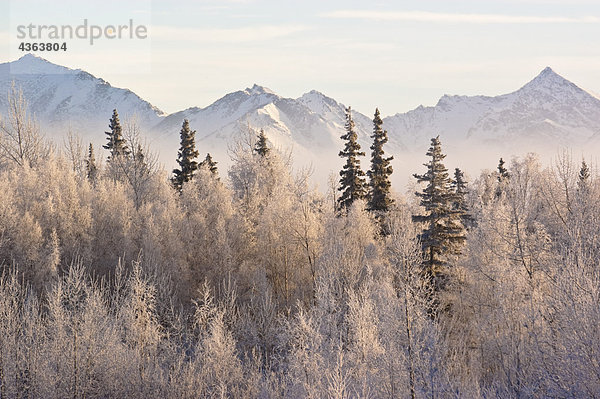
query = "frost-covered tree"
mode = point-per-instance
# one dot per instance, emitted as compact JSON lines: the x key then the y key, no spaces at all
{"x":349,"y":246}
{"x":139,"y":175}
{"x":75,"y":152}
{"x":407,"y":329}
{"x":275,"y":230}
{"x":253,"y":286}
{"x":111,"y":210}
{"x":506,"y":266}
{"x":352,"y":183}
{"x":186,"y":157}
{"x":21,"y":141}
{"x":207,"y":207}
{"x":139,"y":169}
{"x":380,"y":199}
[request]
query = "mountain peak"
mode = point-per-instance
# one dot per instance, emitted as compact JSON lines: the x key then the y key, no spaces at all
{"x":548,"y":74}
{"x":315,"y":100}
{"x":548,"y":79}
{"x":315,"y":93}
{"x":31,"y":64}
{"x":30,"y":56}
{"x":258,"y":90}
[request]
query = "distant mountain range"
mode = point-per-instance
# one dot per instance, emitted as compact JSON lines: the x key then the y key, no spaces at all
{"x":547,"y":112}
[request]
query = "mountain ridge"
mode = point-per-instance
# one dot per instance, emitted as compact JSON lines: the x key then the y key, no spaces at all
{"x":548,"y":110}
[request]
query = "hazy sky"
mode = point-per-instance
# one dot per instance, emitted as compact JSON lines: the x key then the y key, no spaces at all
{"x":392,"y":54}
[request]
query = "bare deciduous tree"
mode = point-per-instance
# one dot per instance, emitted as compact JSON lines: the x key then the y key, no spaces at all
{"x":21,"y":141}
{"x":75,"y":151}
{"x":139,"y":166}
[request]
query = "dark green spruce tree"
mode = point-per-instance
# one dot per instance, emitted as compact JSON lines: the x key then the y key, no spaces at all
{"x":459,"y":187}
{"x":261,"y":147}
{"x":352,"y":183}
{"x":502,"y":171}
{"x":380,"y":199}
{"x":443,"y":233}
{"x":185,"y":157}
{"x":91,"y":170}
{"x":584,"y":189}
{"x":503,"y":177}
{"x":583,"y":181}
{"x":209,"y":164}
{"x":116,"y":144}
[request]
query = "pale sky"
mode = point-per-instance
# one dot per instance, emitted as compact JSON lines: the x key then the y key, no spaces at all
{"x":394,"y":55}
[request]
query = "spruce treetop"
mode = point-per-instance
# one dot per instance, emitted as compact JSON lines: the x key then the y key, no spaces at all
{"x":261,"y":147}
{"x":209,"y":164}
{"x":90,"y":165}
{"x":584,"y":172}
{"x":352,"y":181}
{"x":502,"y":171}
{"x":379,"y":175}
{"x":583,"y":178}
{"x":459,"y":186}
{"x":116,"y":144}
{"x":185,"y":157}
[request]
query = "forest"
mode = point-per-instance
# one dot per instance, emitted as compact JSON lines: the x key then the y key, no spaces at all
{"x":120,"y":279}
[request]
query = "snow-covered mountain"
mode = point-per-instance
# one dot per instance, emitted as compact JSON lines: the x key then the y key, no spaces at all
{"x":547,"y":112}
{"x":62,"y":98}
{"x":309,"y":126}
